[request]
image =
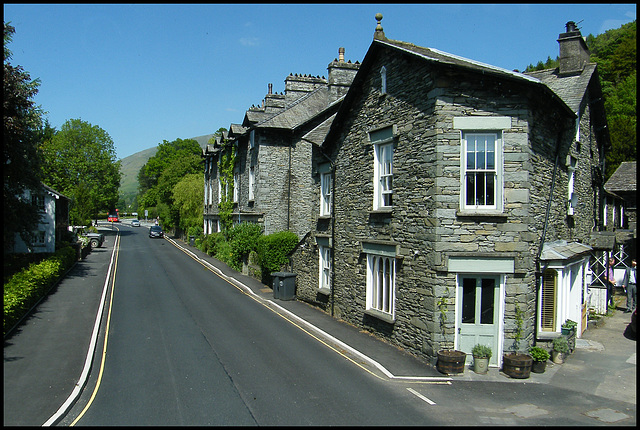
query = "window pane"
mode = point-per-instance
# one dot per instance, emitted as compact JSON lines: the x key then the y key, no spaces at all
{"x":468,"y":300}
{"x":480,"y":154}
{"x":486,"y":306}
{"x":471,"y":153}
{"x":480,"y":189}
{"x":490,"y":189}
{"x":471,"y":186}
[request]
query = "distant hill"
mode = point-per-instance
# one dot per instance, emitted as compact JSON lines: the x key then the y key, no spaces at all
{"x":131,"y":165}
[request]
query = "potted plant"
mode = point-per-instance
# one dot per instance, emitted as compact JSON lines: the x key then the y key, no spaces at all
{"x":450,"y":361}
{"x":481,"y":355}
{"x":568,"y":326}
{"x":517,"y":365}
{"x":560,"y":347}
{"x":540,"y":357}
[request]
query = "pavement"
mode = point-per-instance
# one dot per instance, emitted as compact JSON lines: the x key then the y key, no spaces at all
{"x":48,"y":355}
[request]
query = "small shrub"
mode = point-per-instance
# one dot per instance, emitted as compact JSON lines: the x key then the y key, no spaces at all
{"x":569,"y":324}
{"x":243,"y":239}
{"x":481,"y":351}
{"x":560,"y":344}
{"x":538,"y":353}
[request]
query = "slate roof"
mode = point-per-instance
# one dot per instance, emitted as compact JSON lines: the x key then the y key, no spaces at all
{"x":446,"y":58}
{"x":561,"y":250}
{"x":623,"y":179}
{"x":299,"y":112}
{"x":237,"y":129}
{"x":317,"y":135}
{"x":571,"y":89}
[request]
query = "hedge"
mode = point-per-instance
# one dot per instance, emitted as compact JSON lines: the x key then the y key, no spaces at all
{"x":27,"y":287}
{"x":273,"y":252}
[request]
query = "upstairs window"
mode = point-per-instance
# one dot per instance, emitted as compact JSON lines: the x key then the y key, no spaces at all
{"x":236,"y":185}
{"x":480,"y":170}
{"x":325,"y":267}
{"x":326,"y":187}
{"x":252,"y":180}
{"x":572,"y":196}
{"x":382,"y":168}
{"x":383,"y":80}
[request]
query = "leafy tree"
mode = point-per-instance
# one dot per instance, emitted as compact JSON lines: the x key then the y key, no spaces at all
{"x":22,"y":129}
{"x":188,"y":195}
{"x":157,"y":178}
{"x":80,"y":162}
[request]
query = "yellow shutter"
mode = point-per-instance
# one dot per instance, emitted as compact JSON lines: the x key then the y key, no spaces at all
{"x":548,"y":307}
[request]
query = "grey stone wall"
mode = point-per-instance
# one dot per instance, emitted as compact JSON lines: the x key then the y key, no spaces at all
{"x":425,"y":220}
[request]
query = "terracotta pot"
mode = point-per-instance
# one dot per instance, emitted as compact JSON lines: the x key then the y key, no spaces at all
{"x":517,"y":366}
{"x":451,"y":361}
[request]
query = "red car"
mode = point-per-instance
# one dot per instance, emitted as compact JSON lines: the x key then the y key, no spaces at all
{"x":113,"y":218}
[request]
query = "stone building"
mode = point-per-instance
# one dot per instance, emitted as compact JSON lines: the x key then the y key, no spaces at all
{"x":273,"y":181}
{"x":452,"y":195}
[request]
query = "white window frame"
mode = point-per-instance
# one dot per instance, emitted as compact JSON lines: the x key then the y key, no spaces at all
{"x":481,"y":168}
{"x":252,"y":181}
{"x":572,"y":196}
{"x":381,"y":281}
{"x":325,"y":193}
{"x":236,"y":182}
{"x":383,"y":176}
{"x":219,"y":191}
{"x":324,"y":264}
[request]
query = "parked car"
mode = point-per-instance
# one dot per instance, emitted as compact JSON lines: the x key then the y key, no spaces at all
{"x":135,"y":222}
{"x":155,"y":231}
{"x":113,"y":218}
{"x":95,"y":239}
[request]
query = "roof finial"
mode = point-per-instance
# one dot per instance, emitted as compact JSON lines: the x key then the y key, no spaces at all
{"x":379,"y":33}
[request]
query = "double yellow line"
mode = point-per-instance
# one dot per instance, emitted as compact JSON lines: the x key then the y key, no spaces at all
{"x":106,"y":334}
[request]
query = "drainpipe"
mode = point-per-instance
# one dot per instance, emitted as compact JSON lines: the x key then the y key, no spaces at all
{"x":289,"y":192}
{"x":544,"y":232}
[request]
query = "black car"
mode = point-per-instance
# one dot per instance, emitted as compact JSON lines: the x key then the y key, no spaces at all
{"x":156,"y":231}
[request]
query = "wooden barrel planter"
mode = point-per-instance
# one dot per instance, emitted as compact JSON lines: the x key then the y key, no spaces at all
{"x":517,"y":366}
{"x":451,"y":361}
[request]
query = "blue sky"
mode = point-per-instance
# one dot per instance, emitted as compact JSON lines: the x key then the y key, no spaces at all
{"x":147,"y":73}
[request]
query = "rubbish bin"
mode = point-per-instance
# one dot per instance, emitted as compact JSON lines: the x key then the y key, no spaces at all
{"x":192,"y":240}
{"x":284,"y":285}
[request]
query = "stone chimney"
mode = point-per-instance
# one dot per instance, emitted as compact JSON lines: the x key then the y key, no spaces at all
{"x":273,"y":102}
{"x":574,"y":54}
{"x":296,"y":86}
{"x":341,"y":75}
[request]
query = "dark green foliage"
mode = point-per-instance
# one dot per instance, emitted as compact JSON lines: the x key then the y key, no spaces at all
{"x":273,"y":251}
{"x":80,"y":162}
{"x":243,"y":239}
{"x":157,"y":178}
{"x":22,"y":130}
{"x":26,"y":287}
{"x":538,"y":353}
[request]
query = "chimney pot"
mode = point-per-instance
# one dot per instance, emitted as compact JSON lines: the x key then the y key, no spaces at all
{"x":270,"y":88}
{"x":341,"y":55}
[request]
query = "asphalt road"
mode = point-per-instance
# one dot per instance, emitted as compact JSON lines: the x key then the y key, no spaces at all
{"x":185,"y":347}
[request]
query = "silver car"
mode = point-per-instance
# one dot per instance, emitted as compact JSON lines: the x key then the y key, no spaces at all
{"x":135,"y":223}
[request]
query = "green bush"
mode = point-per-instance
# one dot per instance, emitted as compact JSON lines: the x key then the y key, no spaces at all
{"x":569,"y":324}
{"x":244,"y":238}
{"x":481,"y":351}
{"x":26,"y":287}
{"x":538,"y":353}
{"x":560,"y":344}
{"x":273,"y":251}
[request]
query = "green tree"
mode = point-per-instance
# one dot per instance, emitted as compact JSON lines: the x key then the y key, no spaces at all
{"x":22,"y":129}
{"x":188,"y":195}
{"x":80,"y":162}
{"x":172,"y":162}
